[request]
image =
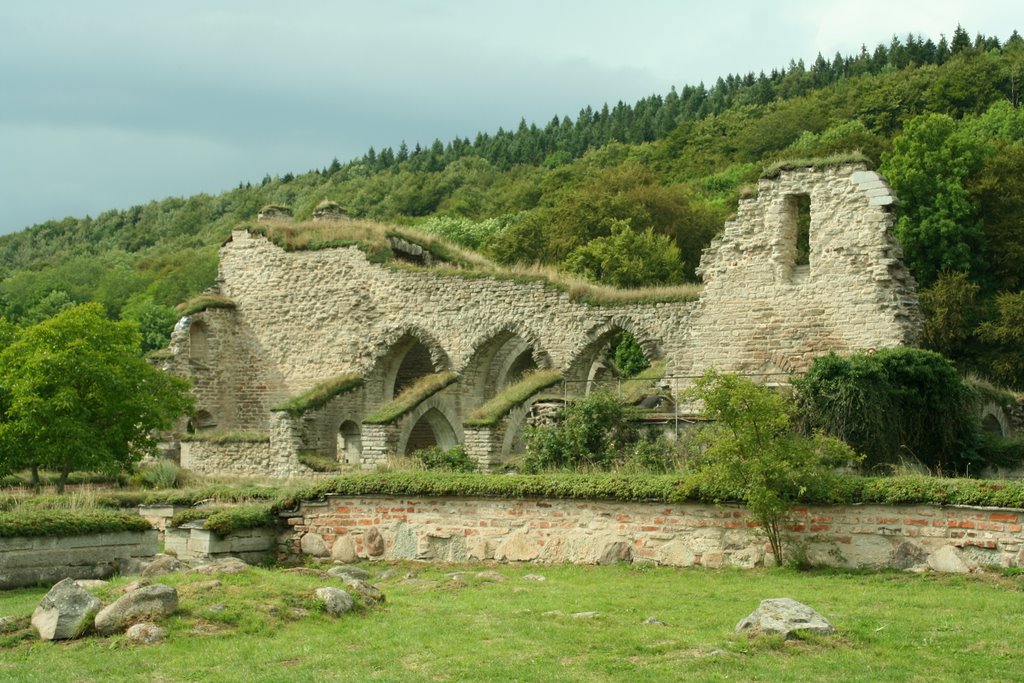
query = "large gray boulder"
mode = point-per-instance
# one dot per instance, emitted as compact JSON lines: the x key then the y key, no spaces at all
{"x":785,"y":617}
{"x":147,"y":603}
{"x":336,"y":601}
{"x":65,"y":612}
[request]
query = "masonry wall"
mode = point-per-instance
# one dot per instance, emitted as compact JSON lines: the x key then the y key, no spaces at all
{"x":34,"y":561}
{"x":579,"y":531}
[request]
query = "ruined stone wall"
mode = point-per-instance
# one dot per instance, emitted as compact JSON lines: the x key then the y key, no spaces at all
{"x":586,"y":531}
{"x":760,"y":312}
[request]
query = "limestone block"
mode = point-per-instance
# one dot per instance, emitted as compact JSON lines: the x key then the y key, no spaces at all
{"x":948,"y":560}
{"x":676,"y":554}
{"x":518,"y":547}
{"x":343,"y":549}
{"x":65,"y":612}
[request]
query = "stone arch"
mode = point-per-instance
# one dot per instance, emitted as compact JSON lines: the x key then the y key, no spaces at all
{"x":407,"y":354}
{"x":349,"y":442}
{"x":198,"y":342}
{"x":430,"y":424}
{"x":586,"y":364}
{"x":499,"y":358}
{"x":203,"y":420}
{"x":994,"y":420}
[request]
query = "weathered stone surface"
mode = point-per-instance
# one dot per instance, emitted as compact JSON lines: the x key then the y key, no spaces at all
{"x":336,"y":601}
{"x":613,"y":552}
{"x":152,"y":602}
{"x":163,"y":564}
{"x":91,"y":584}
{"x":489,"y":575}
{"x":517,"y":548}
{"x":65,"y":612}
{"x":145,"y":633}
{"x":313,"y":544}
{"x":370,"y":593}
{"x":224,"y":565}
{"x":785,"y":617}
{"x":344,"y":549}
{"x":348,"y":573}
{"x":534,"y":577}
{"x":373,"y":542}
{"x":948,"y":561}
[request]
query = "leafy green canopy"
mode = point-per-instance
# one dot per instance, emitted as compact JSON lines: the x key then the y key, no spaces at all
{"x":894,"y":406}
{"x":76,"y":395}
{"x":753,"y":450}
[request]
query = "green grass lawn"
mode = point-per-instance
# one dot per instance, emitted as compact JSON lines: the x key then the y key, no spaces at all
{"x":255,"y":627}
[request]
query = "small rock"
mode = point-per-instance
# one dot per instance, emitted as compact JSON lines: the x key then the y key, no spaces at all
{"x":219,"y":607}
{"x":65,"y":612}
{"x":785,"y":617}
{"x":585,"y":615}
{"x":336,"y":601}
{"x":205,"y":586}
{"x":387,"y":575}
{"x":224,"y":565}
{"x":654,"y":621}
{"x":552,"y":613}
{"x":313,"y":544}
{"x":135,"y":585}
{"x":145,"y":633}
{"x":163,"y":564}
{"x":411,"y":575}
{"x":373,"y":542}
{"x":534,"y":577}
{"x":348,"y":572}
{"x":153,"y":602}
{"x":490,"y":575}
{"x":91,"y":584}
{"x":370,"y":593}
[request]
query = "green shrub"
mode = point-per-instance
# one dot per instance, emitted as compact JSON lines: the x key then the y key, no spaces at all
{"x":1001,"y":451}
{"x":162,"y":474}
{"x":451,"y":460}
{"x":594,"y":432}
{"x":318,"y":462}
{"x":894,"y":405}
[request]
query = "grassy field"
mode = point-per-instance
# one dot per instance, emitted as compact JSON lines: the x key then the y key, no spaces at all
{"x":263,"y":626}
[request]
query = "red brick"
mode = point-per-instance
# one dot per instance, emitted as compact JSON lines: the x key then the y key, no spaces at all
{"x":1003,"y":517}
{"x":916,"y":522}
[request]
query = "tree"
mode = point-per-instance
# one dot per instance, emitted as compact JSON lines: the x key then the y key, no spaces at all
{"x":754,"y":453}
{"x":593,"y":432}
{"x":78,"y":396}
{"x":627,"y":258}
{"x":1006,"y":332}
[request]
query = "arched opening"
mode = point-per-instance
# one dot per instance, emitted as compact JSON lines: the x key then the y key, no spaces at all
{"x":201,"y":421}
{"x":990,"y":424}
{"x":350,"y":444}
{"x":198,"y":347}
{"x":432,"y":429}
{"x":408,"y":360}
{"x":612,"y":357}
{"x":498,"y":362}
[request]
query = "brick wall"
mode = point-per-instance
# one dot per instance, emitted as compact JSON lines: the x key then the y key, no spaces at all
{"x":578,"y":531}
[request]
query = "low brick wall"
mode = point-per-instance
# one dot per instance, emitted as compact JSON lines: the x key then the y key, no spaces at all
{"x":580,"y":531}
{"x":34,"y":561}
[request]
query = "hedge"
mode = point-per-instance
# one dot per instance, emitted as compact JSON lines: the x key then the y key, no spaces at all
{"x":223,"y":521}
{"x":68,"y":522}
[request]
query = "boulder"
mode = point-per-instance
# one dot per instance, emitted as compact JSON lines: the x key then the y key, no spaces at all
{"x":145,"y":633}
{"x":336,"y":601}
{"x":344,"y":549}
{"x":65,"y":612}
{"x":947,"y":560}
{"x":225,"y":565}
{"x":373,"y":542}
{"x":163,"y":564}
{"x":370,"y":593}
{"x":347,"y":573}
{"x":785,"y":617}
{"x":91,"y":584}
{"x":313,"y":544}
{"x":148,"y":602}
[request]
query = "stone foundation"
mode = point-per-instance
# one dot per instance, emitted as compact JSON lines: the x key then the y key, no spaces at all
{"x":589,"y":532}
{"x":252,"y":545}
{"x":44,"y":561}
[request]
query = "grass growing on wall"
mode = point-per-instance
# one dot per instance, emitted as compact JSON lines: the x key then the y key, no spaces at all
{"x":228,"y":437}
{"x":65,"y":522}
{"x":224,"y":520}
{"x":491,"y":412}
{"x":203,"y":302}
{"x":321,"y":394}
{"x":775,"y":169}
{"x":421,"y":390}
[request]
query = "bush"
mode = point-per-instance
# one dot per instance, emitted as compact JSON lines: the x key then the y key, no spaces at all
{"x":594,"y":432}
{"x":452,"y":460}
{"x":162,"y":474}
{"x":894,"y":404}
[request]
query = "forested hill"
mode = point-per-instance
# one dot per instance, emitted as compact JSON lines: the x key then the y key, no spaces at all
{"x":941,"y":120}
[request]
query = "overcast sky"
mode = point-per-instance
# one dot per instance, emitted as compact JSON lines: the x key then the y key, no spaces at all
{"x":109,"y":103}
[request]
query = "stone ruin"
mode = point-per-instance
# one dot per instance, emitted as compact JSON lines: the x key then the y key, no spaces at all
{"x":807,"y":267}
